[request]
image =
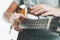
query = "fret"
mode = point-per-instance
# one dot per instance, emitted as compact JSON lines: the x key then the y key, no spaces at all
{"x":49,"y":23}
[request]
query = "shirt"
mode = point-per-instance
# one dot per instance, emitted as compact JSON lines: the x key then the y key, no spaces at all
{"x":29,"y":3}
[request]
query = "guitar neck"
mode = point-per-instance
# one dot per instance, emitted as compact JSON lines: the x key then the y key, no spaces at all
{"x":41,"y":23}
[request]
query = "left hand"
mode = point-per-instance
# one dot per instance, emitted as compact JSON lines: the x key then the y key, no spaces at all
{"x":45,"y":10}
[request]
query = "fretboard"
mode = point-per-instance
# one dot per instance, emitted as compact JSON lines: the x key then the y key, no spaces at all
{"x":40,"y":23}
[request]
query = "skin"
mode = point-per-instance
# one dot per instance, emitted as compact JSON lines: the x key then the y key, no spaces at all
{"x":45,"y":10}
{"x":42,"y":9}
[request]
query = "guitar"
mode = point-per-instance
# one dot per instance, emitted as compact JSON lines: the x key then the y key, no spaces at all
{"x":48,"y":22}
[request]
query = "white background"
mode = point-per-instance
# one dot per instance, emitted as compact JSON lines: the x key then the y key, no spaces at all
{"x":4,"y":26}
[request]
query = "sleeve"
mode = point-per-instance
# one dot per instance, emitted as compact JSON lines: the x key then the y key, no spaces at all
{"x":17,"y":1}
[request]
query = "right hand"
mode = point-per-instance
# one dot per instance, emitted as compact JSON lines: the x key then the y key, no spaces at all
{"x":15,"y":19}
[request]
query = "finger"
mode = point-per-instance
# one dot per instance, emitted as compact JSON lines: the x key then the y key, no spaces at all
{"x":22,"y":17}
{"x":18,"y":29}
{"x":34,"y":10}
{"x":39,"y":12}
{"x":16,"y":26}
{"x":46,"y":14}
{"x":19,"y":15}
{"x":18,"y":20}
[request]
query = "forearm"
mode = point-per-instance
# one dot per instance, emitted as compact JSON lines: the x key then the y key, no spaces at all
{"x":7,"y":14}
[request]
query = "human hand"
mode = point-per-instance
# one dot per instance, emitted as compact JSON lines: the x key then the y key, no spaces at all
{"x":15,"y":18}
{"x":45,"y":10}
